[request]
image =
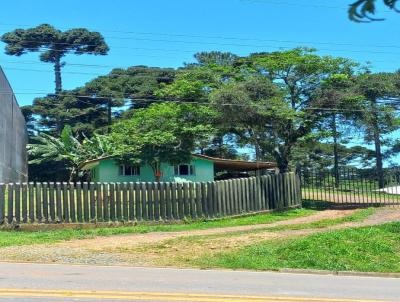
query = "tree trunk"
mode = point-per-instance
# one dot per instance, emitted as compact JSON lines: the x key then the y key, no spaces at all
{"x":57,"y":72}
{"x":282,"y":159}
{"x":72,"y":174}
{"x":378,"y":145}
{"x":378,"y":156}
{"x":335,"y":151}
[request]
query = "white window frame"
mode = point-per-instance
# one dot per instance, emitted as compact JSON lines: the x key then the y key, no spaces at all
{"x":135,"y":170}
{"x":191,"y":170}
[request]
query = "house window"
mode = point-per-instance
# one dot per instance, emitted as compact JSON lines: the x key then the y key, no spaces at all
{"x":184,"y":170}
{"x":126,"y":170}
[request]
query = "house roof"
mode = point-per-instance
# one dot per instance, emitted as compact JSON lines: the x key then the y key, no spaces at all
{"x":238,"y":165}
{"x":221,"y":163}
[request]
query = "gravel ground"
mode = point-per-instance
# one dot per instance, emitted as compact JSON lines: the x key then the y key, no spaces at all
{"x":164,"y":249}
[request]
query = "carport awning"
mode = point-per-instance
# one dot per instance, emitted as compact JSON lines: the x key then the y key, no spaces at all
{"x":238,"y":165}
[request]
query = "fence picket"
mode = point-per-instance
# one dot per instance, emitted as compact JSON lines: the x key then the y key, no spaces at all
{"x":118,"y":212}
{"x":65,"y":203}
{"x":52,"y":202}
{"x":17,"y":200}
{"x":84,"y":208}
{"x":131,"y":201}
{"x":59,"y":209}
{"x":174,"y":201}
{"x":112,"y":201}
{"x":106,"y":202}
{"x":79,"y":193}
{"x":45,"y":201}
{"x":99,"y":202}
{"x":156,"y":200}
{"x":168,"y":201}
{"x":125,"y":202}
{"x":72,"y":202}
{"x":162,"y":198}
{"x":138,"y":202}
{"x":92,"y":204}
{"x":38,"y":202}
{"x":199,"y":210}
{"x":10,"y":208}
{"x":210,"y":208}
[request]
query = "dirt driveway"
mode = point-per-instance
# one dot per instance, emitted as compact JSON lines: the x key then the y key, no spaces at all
{"x":174,"y":248}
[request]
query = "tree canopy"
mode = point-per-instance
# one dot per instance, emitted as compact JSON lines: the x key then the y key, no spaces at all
{"x":54,"y":44}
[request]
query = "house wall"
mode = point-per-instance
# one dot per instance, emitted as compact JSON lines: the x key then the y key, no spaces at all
{"x":108,"y":171}
{"x":13,"y":136}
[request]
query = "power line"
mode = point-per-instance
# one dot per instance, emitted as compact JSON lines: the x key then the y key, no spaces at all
{"x":210,"y":43}
{"x":132,"y":98}
{"x":219,"y":37}
{"x":110,"y":75}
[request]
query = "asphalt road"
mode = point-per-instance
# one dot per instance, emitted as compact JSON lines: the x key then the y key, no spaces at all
{"x":53,"y":282}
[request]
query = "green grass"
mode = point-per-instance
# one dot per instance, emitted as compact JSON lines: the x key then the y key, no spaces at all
{"x":13,"y":238}
{"x":366,"y":249}
{"x":359,"y":215}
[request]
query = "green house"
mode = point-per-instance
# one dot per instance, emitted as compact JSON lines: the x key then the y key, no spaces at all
{"x":200,"y":169}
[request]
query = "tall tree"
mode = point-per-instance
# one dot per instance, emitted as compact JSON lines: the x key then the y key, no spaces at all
{"x":380,"y":94}
{"x":339,"y":103}
{"x":298,"y":73}
{"x":54,"y":44}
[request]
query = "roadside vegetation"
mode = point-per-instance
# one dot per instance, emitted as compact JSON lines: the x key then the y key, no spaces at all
{"x":366,"y":249}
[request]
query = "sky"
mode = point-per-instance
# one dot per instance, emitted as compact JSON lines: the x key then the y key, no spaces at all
{"x":168,"y":33}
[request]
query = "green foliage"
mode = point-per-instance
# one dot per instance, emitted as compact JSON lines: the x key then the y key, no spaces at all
{"x":68,"y":149}
{"x":166,"y":132}
{"x":361,"y":10}
{"x":367,"y":249}
{"x":137,"y":83}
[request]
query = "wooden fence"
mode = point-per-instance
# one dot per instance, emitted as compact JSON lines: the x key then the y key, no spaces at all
{"x":105,"y":202}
